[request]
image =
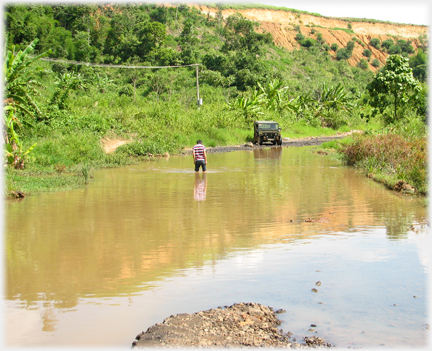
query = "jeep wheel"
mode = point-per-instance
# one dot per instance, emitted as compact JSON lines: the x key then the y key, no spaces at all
{"x":260,"y":140}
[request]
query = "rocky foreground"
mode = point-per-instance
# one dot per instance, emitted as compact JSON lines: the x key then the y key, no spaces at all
{"x":236,"y":326}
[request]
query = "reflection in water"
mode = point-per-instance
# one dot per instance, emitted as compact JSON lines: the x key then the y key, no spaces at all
{"x":200,"y":187}
{"x":49,"y":317}
{"x":133,"y":230}
{"x":274,"y":152}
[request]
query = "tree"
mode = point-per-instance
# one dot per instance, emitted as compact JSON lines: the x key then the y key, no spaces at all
{"x":394,"y":85}
{"x":239,"y":33}
{"x":418,"y":63}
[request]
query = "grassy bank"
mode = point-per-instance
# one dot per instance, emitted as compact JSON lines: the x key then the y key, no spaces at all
{"x":398,"y":161}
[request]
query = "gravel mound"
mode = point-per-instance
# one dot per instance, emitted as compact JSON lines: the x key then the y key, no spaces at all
{"x":236,"y":326}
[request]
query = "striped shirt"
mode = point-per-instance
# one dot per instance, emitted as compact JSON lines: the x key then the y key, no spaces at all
{"x":199,"y":149}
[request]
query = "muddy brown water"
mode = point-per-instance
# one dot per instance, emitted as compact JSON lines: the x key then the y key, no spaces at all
{"x":96,"y":266}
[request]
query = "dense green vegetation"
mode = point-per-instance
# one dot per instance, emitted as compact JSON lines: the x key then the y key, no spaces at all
{"x":56,"y":113}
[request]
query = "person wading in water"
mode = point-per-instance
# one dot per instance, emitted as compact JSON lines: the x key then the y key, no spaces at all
{"x":199,"y":156}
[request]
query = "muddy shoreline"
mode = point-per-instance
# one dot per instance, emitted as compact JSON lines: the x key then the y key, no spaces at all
{"x":236,"y":326}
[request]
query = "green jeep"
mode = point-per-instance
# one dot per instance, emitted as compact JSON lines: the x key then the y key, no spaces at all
{"x":267,"y":131}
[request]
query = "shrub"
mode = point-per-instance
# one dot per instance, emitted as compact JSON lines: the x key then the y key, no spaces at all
{"x":308,"y":42}
{"x":126,"y":90}
{"x":387,"y":43}
{"x":326,"y":47}
{"x":59,"y":68}
{"x":350,"y":45}
{"x":367,"y":53}
{"x":375,"y":63}
{"x":320,"y":38}
{"x":363,"y":64}
{"x":334,"y":47}
{"x":395,"y":50}
{"x":376,"y":43}
{"x":405,"y":46}
{"x":343,"y":54}
{"x":299,"y":37}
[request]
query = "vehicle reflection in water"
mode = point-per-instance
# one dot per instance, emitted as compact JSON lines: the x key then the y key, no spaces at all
{"x":272,"y":153}
{"x":200,"y":187}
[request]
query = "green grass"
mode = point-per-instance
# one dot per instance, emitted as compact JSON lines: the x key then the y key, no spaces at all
{"x":30,"y":183}
{"x":346,"y":30}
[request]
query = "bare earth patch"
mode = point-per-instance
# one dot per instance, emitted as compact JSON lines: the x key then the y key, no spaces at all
{"x":111,"y":145}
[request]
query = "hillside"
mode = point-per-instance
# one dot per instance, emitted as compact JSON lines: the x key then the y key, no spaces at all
{"x":282,"y":25}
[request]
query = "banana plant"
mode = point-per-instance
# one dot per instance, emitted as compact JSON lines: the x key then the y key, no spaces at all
{"x":102,"y":82}
{"x":66,"y":82}
{"x":18,"y":90}
{"x":14,"y":152}
{"x":18,"y":85}
{"x":335,"y":98}
{"x":301,"y":104}
{"x":274,"y":94}
{"x":250,"y":105}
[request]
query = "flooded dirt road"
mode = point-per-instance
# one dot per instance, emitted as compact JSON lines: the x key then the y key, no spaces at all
{"x":97,"y":266}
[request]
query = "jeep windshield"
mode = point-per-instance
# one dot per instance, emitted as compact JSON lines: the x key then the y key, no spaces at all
{"x":268,"y":126}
